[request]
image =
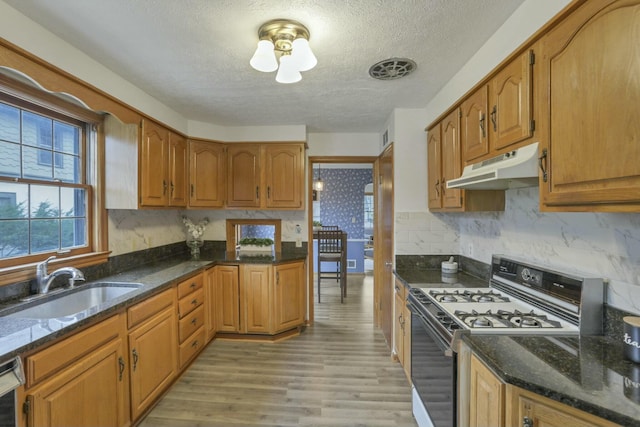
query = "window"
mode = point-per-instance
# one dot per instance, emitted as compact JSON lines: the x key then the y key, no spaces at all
{"x":45,"y":198}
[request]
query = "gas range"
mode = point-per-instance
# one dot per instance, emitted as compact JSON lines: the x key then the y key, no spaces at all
{"x":520,"y":299}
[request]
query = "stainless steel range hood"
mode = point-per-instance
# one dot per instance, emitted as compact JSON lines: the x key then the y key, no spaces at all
{"x":517,"y":168}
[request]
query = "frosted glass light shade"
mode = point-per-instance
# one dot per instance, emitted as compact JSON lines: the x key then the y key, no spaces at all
{"x":318,"y":185}
{"x":288,"y":71}
{"x":264,"y":58}
{"x":302,"y":55}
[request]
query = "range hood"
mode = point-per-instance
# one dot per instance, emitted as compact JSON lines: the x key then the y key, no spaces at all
{"x":517,"y":168}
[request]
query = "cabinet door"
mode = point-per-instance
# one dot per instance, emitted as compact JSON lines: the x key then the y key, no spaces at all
{"x":434,"y":171}
{"x":227,"y":299}
{"x":593,"y":116}
{"x":73,"y":398}
{"x":398,"y":333}
{"x":207,"y":174}
{"x":511,"y":111}
{"x":177,"y":170}
{"x":210,"y":303}
{"x":289,"y":296}
{"x":284,"y":174}
{"x":486,"y":397}
{"x":474,"y":122}
{"x":406,"y":331}
{"x":153,"y":348}
{"x":526,"y":408}
{"x":243,"y":175}
{"x":154,"y":159}
{"x":451,"y":160}
{"x":255,"y":299}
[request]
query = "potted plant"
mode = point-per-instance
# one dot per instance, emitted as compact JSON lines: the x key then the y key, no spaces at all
{"x":256,"y":244}
{"x":317,"y":225}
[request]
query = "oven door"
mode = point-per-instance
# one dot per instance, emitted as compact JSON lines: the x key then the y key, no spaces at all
{"x":433,"y":373}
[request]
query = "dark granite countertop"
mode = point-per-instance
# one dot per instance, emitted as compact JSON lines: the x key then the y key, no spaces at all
{"x":20,"y":335}
{"x":588,"y":373}
{"x":436,"y":279}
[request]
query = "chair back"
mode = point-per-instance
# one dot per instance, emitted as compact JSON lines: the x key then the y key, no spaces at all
{"x":330,"y":241}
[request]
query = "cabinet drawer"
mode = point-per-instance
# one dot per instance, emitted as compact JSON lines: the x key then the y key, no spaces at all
{"x":144,"y":310}
{"x":189,"y":324}
{"x":189,"y":285}
{"x":51,"y":360}
{"x":190,"y":302}
{"x":191,"y":346}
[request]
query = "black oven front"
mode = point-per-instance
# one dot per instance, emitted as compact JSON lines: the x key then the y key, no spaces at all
{"x":433,"y":369}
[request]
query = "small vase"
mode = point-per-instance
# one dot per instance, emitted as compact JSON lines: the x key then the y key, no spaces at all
{"x":195,"y":245}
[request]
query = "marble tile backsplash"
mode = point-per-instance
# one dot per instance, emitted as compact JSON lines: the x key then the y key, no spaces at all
{"x":590,"y":244}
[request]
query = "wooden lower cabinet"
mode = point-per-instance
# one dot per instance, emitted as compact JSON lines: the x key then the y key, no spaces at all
{"x":259,"y":299}
{"x":153,"y":349}
{"x":191,"y":318}
{"x":486,"y":397}
{"x":402,"y":329}
{"x":525,"y":408}
{"x":71,"y":397}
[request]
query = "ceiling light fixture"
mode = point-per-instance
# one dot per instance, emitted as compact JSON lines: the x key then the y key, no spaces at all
{"x":291,"y":40}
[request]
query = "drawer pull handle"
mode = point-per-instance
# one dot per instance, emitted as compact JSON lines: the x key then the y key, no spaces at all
{"x":194,"y":320}
{"x":194,"y":302}
{"x":193,"y":285}
{"x":194,"y":344}
{"x":121,"y":363}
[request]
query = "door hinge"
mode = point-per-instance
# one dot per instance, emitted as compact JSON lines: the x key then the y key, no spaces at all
{"x":26,"y":407}
{"x":532,"y":125}
{"x":532,"y":58}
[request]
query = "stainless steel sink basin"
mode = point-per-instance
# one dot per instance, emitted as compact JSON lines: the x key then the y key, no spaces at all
{"x":86,"y":298}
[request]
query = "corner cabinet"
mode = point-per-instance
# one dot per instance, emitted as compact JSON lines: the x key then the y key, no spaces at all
{"x":444,"y":162}
{"x":259,"y":299}
{"x":265,"y":176}
{"x":589,"y":95}
{"x":207,"y":174}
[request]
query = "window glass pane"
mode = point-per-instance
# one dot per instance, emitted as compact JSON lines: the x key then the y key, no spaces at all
{"x":74,"y":232}
{"x":36,"y":163}
{"x":66,"y":138}
{"x":67,"y":168}
{"x":72,"y":202}
{"x":9,"y":123}
{"x":45,"y":201}
{"x":13,"y":200}
{"x":36,"y":130}
{"x":45,"y":235}
{"x":14,"y":237}
{"x":9,"y":159}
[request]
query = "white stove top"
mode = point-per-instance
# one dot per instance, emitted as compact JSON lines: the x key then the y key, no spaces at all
{"x":490,"y":311}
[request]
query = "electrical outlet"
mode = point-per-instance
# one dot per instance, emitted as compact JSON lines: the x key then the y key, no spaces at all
{"x":470,"y":249}
{"x":298,"y":242}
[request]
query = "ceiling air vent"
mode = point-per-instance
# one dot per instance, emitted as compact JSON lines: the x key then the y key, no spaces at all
{"x":391,"y":69}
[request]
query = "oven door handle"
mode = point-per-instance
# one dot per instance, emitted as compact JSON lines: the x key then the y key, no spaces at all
{"x":442,"y":344}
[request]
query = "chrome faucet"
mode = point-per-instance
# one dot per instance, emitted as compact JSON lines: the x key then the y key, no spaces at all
{"x":44,"y":280}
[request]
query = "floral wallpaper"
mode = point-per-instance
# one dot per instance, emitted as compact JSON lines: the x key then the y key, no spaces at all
{"x":342,"y":201}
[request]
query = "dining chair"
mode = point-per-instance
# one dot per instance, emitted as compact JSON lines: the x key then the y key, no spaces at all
{"x":331,"y":249}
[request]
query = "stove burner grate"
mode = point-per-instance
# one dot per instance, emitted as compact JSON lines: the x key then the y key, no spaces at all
{"x":506,"y":319}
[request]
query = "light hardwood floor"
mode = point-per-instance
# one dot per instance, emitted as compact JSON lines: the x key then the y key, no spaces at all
{"x":338,"y":372}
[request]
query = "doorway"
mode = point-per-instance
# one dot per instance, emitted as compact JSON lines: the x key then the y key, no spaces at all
{"x":341,"y":202}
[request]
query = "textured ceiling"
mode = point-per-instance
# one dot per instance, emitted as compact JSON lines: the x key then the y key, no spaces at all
{"x":193,"y":55}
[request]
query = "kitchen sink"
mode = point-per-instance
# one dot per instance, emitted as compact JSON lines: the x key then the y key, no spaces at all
{"x":86,"y":298}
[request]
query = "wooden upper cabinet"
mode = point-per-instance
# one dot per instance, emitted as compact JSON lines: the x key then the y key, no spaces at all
{"x":162,"y":167}
{"x":177,"y":170}
{"x":207,"y":174}
{"x":284,"y":170}
{"x":266,"y":176}
{"x":451,"y":160}
{"x":434,"y":169}
{"x":243,"y":184}
{"x":511,"y":114}
{"x":154,"y":162}
{"x":474,"y":123}
{"x":589,"y":86}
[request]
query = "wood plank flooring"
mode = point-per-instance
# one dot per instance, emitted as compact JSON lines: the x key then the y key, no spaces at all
{"x":338,"y":372}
